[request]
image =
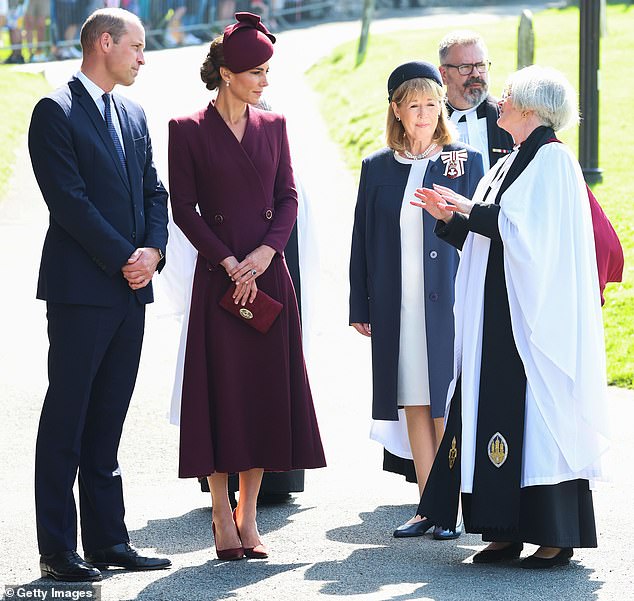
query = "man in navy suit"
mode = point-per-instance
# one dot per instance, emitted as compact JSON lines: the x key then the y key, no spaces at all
{"x":92,"y":158}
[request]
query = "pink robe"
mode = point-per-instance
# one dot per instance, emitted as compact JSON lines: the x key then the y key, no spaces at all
{"x":246,"y":400}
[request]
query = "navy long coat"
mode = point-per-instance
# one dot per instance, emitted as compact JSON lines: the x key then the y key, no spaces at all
{"x":375,"y":273}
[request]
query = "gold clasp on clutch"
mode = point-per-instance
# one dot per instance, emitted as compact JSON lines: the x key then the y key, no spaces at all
{"x":246,"y":313}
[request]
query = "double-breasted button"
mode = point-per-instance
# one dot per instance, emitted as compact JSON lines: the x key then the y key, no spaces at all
{"x":219,"y":219}
{"x":433,"y":254}
{"x":268,"y":214}
{"x":433,"y":296}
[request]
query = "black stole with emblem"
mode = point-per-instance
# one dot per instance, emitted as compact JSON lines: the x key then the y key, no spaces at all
{"x":439,"y":501}
{"x":495,"y":501}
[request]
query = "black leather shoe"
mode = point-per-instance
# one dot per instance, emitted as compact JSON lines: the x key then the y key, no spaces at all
{"x":442,"y":534}
{"x":414,"y":529}
{"x":496,"y":555}
{"x":67,"y":566}
{"x":125,"y":556}
{"x":540,"y":563}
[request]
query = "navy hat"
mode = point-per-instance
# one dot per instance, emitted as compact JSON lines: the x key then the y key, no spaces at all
{"x":411,"y":70}
{"x":247,"y":43}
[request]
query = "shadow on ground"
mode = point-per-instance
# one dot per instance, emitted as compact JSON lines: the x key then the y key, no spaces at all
{"x":436,"y":570}
{"x":192,"y":531}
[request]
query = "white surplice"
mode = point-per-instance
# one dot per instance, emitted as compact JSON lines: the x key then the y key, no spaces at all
{"x":552,"y":284}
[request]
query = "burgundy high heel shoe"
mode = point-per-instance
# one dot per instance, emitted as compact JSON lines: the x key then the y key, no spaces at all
{"x":227,"y":554}
{"x":258,"y":552}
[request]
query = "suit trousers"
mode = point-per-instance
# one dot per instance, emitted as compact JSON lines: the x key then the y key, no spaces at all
{"x":93,"y":362}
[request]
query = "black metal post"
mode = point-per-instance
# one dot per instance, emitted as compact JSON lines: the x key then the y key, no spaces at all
{"x":589,"y":36}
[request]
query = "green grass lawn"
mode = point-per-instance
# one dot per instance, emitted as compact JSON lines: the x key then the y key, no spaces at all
{"x":354,"y":103}
{"x":18,"y":94}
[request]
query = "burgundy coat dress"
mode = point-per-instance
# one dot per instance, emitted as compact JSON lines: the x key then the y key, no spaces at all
{"x":246,"y":400}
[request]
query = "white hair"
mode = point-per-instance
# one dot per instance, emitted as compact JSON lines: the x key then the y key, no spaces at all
{"x":548,"y":93}
{"x":461,"y":37}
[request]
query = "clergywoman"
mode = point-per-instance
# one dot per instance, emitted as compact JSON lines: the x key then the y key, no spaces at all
{"x":526,"y":425}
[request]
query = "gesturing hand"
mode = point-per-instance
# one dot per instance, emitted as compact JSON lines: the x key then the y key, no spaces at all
{"x":442,"y":202}
{"x":462,"y":204}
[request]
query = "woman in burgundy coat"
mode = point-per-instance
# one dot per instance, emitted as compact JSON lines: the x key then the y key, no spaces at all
{"x":246,"y":402}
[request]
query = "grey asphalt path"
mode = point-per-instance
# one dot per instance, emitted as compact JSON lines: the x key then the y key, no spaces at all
{"x":334,"y":540}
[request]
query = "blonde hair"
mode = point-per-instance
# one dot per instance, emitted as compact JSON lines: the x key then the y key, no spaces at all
{"x":395,"y":132}
{"x":548,"y":93}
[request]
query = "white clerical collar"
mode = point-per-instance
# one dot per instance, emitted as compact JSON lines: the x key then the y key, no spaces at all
{"x":460,"y":112}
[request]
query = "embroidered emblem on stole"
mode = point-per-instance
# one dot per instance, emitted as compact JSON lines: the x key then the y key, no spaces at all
{"x":453,"y":453}
{"x":497,"y":449}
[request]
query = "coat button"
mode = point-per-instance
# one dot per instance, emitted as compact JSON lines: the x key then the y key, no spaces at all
{"x":433,"y":254}
{"x":433,"y":296}
{"x":268,"y":214}
{"x":219,"y":219}
{"x":133,"y":235}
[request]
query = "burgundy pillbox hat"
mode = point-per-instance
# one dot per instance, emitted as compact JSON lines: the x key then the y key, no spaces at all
{"x":247,"y":43}
{"x":412,"y":70}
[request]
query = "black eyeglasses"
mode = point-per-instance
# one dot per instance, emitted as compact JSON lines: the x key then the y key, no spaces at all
{"x":467,"y":68}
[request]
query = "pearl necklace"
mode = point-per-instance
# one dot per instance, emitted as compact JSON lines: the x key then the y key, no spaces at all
{"x":422,"y":155}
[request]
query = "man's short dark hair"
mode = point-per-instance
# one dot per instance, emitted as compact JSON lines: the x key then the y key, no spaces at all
{"x":105,"y":20}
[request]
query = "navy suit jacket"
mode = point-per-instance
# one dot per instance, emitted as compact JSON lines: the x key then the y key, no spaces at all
{"x":99,"y":214}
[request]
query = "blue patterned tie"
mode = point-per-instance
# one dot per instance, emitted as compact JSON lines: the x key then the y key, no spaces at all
{"x":112,"y":131}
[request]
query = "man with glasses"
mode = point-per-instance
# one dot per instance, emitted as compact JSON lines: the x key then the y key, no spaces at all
{"x":464,"y":67}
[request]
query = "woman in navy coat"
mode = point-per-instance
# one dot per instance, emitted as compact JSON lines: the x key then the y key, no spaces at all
{"x":402,"y":275}
{"x":246,"y":402}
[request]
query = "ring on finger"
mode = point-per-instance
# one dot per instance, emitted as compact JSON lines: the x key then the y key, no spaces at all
{"x":254,"y":272}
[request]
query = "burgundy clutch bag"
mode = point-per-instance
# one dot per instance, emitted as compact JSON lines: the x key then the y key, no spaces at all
{"x":260,"y":314}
